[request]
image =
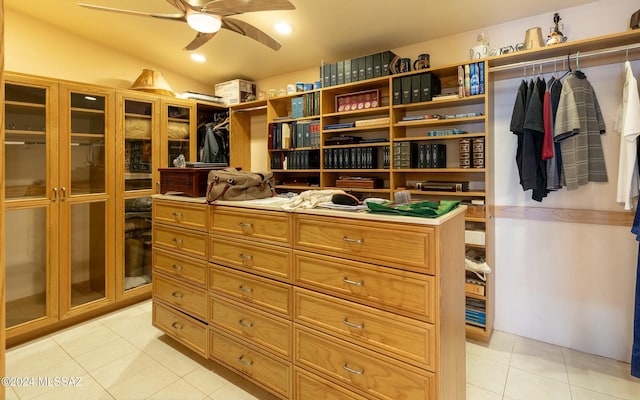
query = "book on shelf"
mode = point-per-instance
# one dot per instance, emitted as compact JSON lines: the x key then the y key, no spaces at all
{"x":467,"y":80}
{"x":372,"y":122}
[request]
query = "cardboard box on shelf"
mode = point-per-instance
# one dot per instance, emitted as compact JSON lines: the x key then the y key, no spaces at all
{"x":236,"y":91}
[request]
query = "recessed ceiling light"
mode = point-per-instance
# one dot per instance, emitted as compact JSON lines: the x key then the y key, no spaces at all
{"x":198,"y":57}
{"x":283,"y":28}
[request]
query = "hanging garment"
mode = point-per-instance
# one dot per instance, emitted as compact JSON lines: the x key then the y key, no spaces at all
{"x":554,"y":164}
{"x":578,"y":126}
{"x":534,"y":171}
{"x":635,"y":349}
{"x":628,"y":124}
{"x":517,"y":122}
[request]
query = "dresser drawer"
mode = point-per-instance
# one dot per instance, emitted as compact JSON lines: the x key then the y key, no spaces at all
{"x":263,"y":329}
{"x":263,"y":259}
{"x":264,"y":369}
{"x":362,"y":370}
{"x":185,"y":268}
{"x":183,"y":214}
{"x":311,"y":387}
{"x":404,"y":338}
{"x":187,"y":298}
{"x":250,"y":289}
{"x":261,"y":225}
{"x":188,"y":331}
{"x":391,"y":244}
{"x":190,"y":243}
{"x":394,"y":290}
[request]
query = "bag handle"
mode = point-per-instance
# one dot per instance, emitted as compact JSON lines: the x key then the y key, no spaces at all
{"x":215,"y":180}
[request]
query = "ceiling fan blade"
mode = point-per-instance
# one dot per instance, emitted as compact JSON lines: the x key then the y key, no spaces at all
{"x":201,"y":38}
{"x":234,"y":7}
{"x":251,"y":31}
{"x":181,"y":5}
{"x":172,"y":17}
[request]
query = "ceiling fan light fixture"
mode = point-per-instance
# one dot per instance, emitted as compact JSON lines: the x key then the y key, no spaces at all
{"x":205,"y":23}
{"x":283,"y":28}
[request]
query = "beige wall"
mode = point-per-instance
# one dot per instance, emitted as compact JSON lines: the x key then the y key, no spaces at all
{"x":74,"y":58}
{"x":568,"y":284}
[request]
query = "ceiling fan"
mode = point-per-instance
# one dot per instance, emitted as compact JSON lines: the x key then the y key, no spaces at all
{"x":209,"y":18}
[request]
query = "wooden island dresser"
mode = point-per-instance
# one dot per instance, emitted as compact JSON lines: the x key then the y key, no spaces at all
{"x":315,"y":304}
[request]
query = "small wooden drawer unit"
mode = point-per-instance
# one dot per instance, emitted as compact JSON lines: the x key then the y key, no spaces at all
{"x":383,"y":243}
{"x":191,"y":270}
{"x":188,"y":331}
{"x":318,"y":304}
{"x":253,"y":290}
{"x":266,"y":330}
{"x":267,"y":371}
{"x":191,"y":243}
{"x":311,"y":387}
{"x":404,"y":292}
{"x":271,"y":227}
{"x":380,"y":331}
{"x":183,"y":296}
{"x":259,"y":258}
{"x":365,"y":371}
{"x":182,"y":214}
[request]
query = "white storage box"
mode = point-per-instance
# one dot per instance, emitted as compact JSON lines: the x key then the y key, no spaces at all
{"x":235,"y":91}
{"x":474,"y":237}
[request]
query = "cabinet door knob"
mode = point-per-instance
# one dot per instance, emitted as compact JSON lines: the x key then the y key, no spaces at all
{"x":55,"y":194}
{"x":245,"y":225}
{"x":349,"y":240}
{"x":177,"y":326}
{"x":245,"y":289}
{"x":351,"y":324}
{"x":177,"y":267}
{"x":245,"y":257}
{"x":245,"y":324}
{"x":177,"y":295}
{"x":177,"y":214}
{"x":242,"y":361}
{"x":63,"y":193}
{"x":353,"y":371}
{"x":177,"y":241}
{"x":350,"y":282}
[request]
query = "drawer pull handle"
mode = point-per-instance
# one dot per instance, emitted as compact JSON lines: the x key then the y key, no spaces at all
{"x":244,"y":289}
{"x":349,"y":240}
{"x":177,"y":326}
{"x":177,"y":295}
{"x":351,"y":324}
{"x":244,"y":324}
{"x":177,"y":214}
{"x":177,"y":267}
{"x":245,"y":257}
{"x":350,"y":282}
{"x":245,"y":225}
{"x":353,"y":371}
{"x":177,"y":241}
{"x":242,"y":361}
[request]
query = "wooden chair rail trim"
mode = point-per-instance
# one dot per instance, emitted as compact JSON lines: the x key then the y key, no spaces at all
{"x":597,"y":217}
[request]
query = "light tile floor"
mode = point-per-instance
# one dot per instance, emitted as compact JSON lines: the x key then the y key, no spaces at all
{"x":121,"y":356}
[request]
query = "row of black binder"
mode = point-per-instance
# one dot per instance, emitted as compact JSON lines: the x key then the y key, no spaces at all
{"x":292,"y":135}
{"x":296,"y":159}
{"x":357,"y":69}
{"x":419,"y":155}
{"x":351,"y":158}
{"x":415,"y":88}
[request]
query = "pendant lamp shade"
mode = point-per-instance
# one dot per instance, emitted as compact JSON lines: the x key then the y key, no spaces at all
{"x":153,"y":82}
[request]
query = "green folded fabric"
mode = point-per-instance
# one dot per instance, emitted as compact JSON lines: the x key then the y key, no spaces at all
{"x":426,"y":209}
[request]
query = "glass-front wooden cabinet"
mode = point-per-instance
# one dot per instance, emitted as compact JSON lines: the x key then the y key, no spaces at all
{"x":178,"y":131}
{"x":31,"y":202}
{"x":138,"y":158}
{"x":86,"y":161}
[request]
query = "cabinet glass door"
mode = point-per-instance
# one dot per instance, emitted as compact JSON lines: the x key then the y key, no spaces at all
{"x":140,"y":125}
{"x":26,"y":137}
{"x":31,"y":203}
{"x":86,"y":205}
{"x":178,"y":131}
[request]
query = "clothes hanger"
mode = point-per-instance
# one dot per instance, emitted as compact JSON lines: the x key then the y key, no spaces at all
{"x":579,"y":73}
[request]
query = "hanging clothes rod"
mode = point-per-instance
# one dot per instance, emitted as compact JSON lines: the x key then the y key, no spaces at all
{"x":550,"y":60}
